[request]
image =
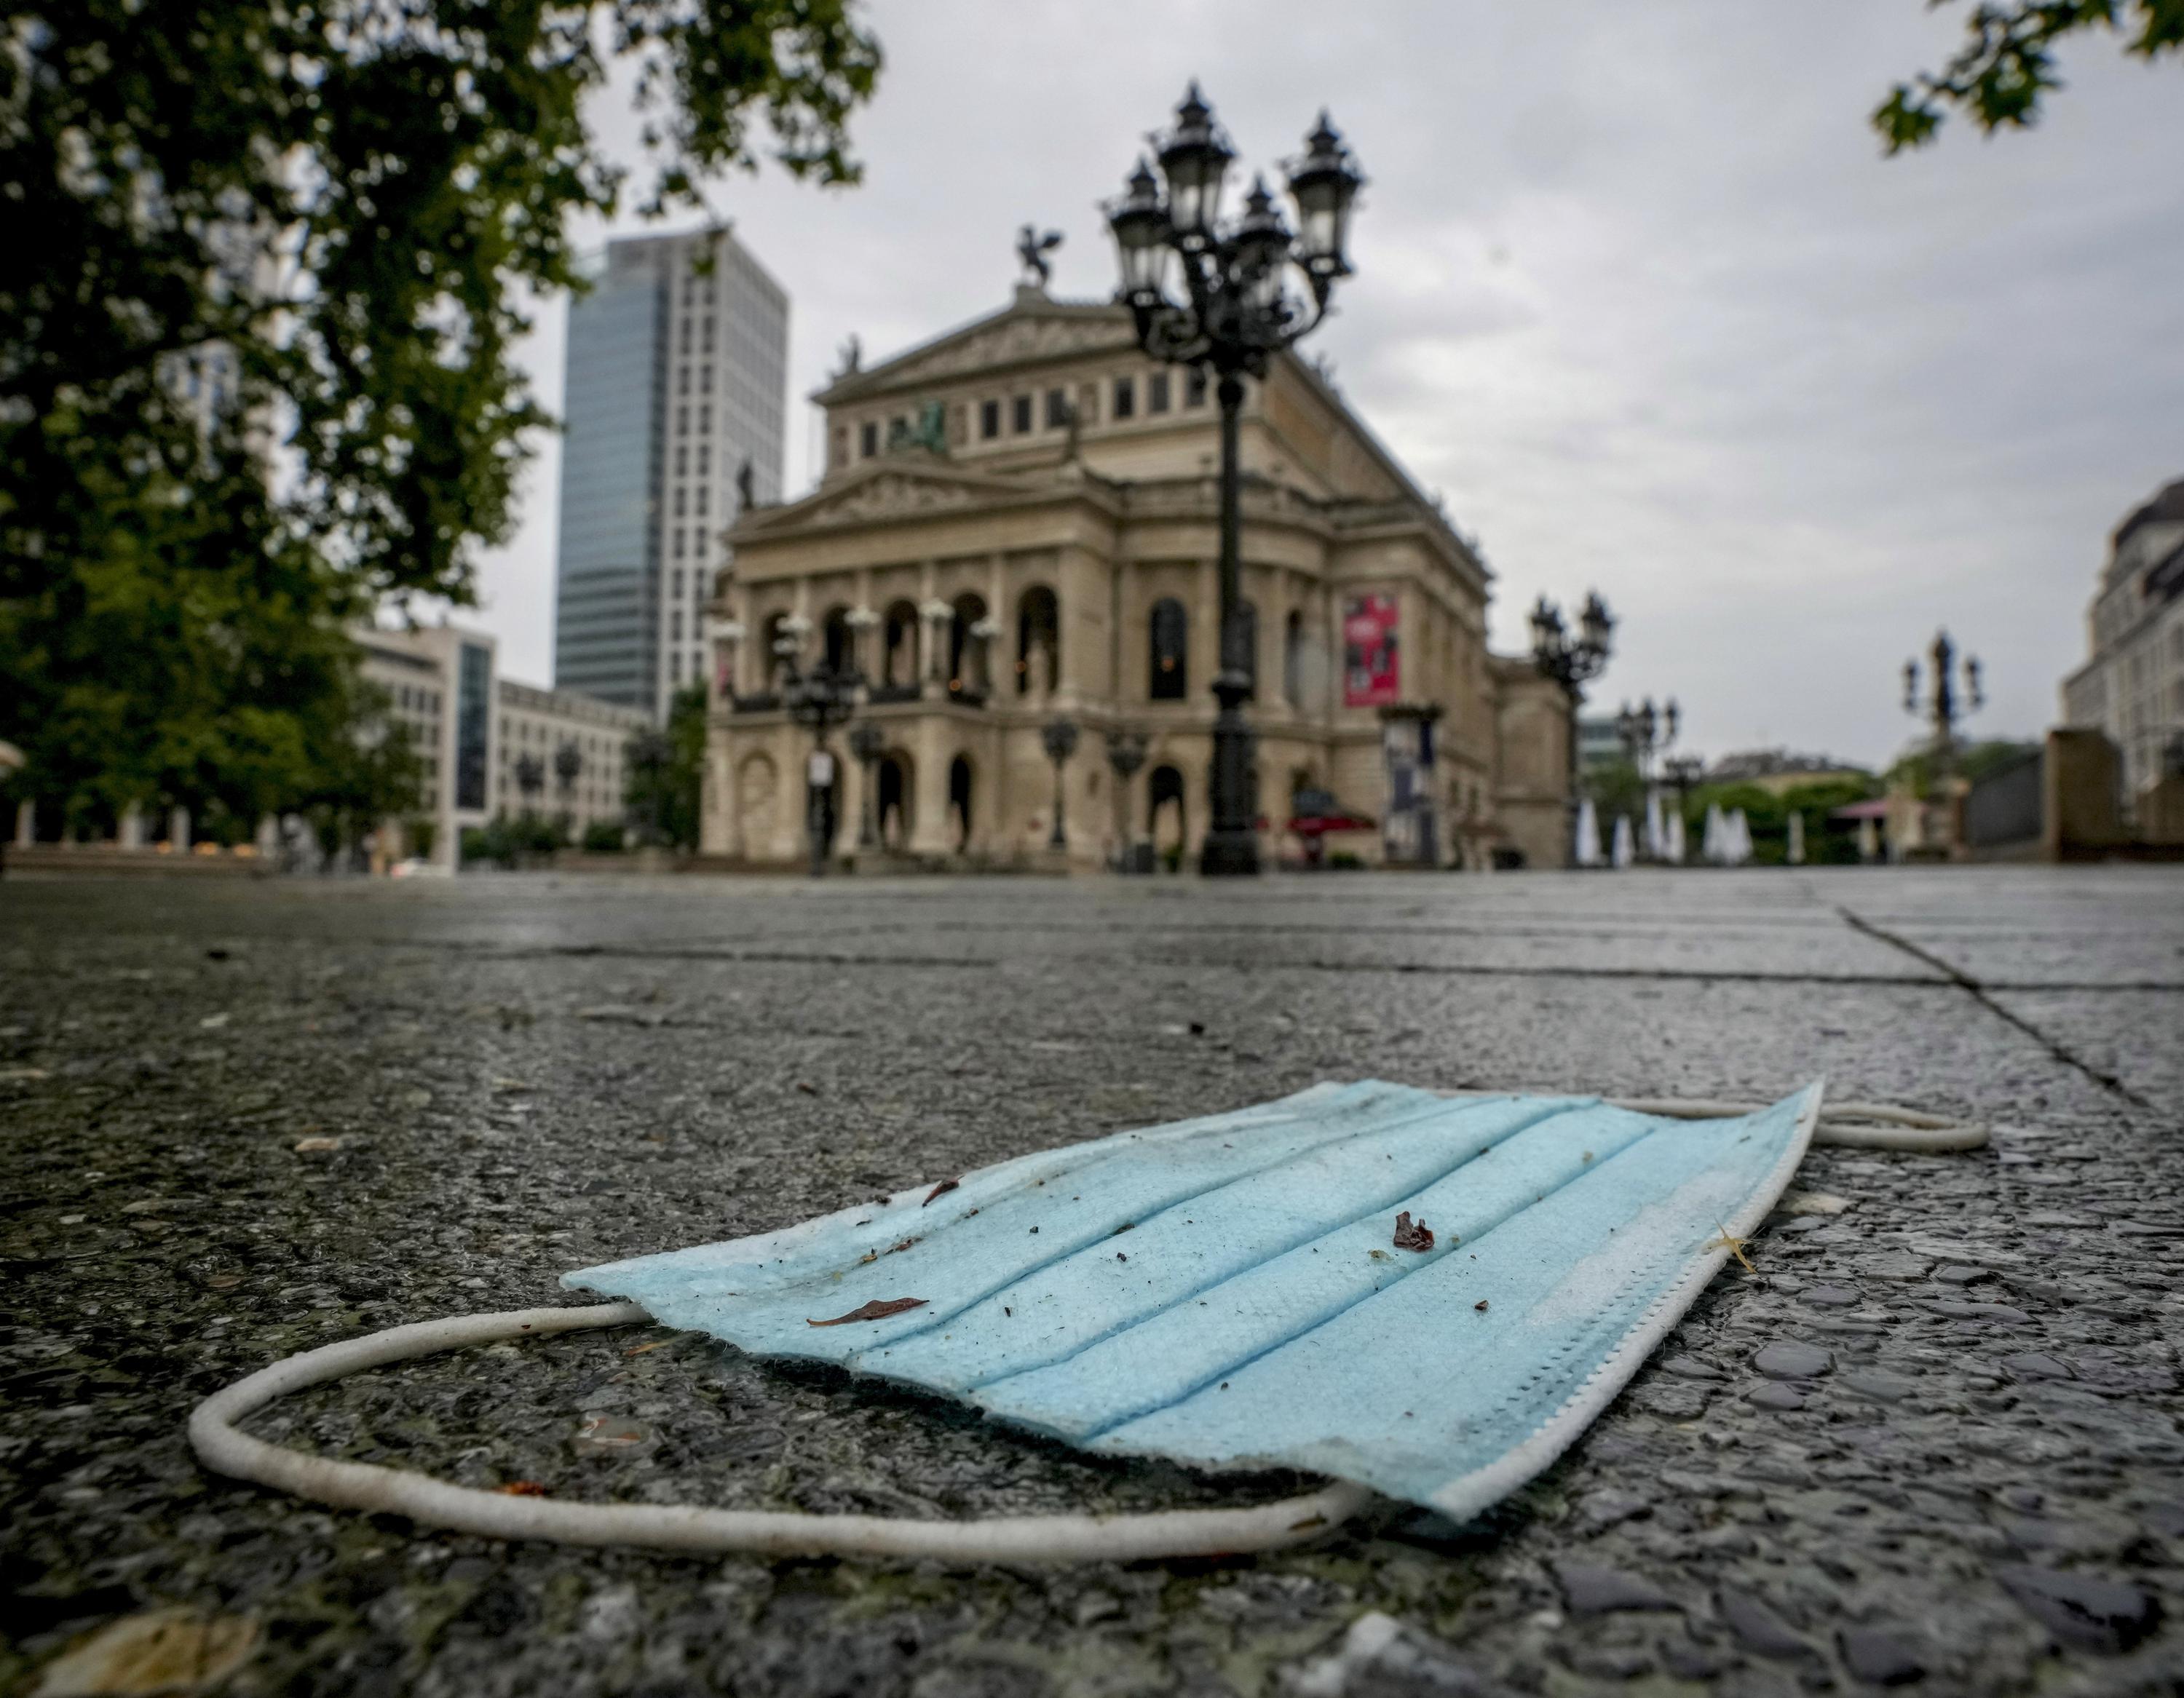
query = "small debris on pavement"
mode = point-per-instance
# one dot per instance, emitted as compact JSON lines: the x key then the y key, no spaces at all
{"x":875,"y":1310}
{"x":1413,"y":1236}
{"x":170,"y":1650}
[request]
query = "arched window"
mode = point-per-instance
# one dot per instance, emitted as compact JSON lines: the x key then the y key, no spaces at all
{"x":1247,"y":618}
{"x":771,"y":664}
{"x":1170,"y":655}
{"x":839,"y":646}
{"x":967,"y":654}
{"x":1293,"y":659}
{"x":898,"y":665}
{"x":1039,"y":642}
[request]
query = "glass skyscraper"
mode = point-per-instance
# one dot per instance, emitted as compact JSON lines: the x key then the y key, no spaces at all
{"x":677,"y":378}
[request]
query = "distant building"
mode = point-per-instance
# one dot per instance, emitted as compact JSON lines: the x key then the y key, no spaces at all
{"x":676,"y":380}
{"x":1779,"y":771}
{"x":473,"y":729}
{"x":577,"y":741}
{"x":1599,"y":743}
{"x":2132,"y":685}
{"x":1019,"y":522}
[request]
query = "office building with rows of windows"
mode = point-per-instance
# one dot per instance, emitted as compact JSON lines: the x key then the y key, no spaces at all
{"x":490,"y":745}
{"x":676,"y":374}
{"x":1018,"y":521}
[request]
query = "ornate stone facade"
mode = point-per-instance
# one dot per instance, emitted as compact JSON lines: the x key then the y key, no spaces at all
{"x":1058,"y":560}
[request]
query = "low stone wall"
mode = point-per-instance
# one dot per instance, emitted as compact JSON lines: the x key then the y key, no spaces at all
{"x":110,"y":860}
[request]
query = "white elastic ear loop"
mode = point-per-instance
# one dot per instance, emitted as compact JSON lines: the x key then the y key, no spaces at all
{"x":686,"y":1528}
{"x":1851,"y":1126}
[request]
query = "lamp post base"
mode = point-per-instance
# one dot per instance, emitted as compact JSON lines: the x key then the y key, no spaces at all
{"x":1229,"y":855}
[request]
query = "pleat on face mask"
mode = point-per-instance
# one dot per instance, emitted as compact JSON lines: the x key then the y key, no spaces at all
{"x":1431,"y":1297}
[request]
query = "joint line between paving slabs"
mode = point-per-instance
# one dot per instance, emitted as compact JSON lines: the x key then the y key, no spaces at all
{"x":1978,"y":992}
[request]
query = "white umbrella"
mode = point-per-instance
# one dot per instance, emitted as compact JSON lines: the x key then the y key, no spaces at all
{"x":1626,"y":846}
{"x":1657,"y":836}
{"x":1588,"y":834}
{"x":1675,"y":849}
{"x":1713,"y":842}
{"x":1796,"y":840}
{"x":1740,"y":839}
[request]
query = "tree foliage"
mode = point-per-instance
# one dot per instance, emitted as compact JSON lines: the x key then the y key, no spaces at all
{"x":1616,"y":788}
{"x":2007,"y":65}
{"x":663,"y":774}
{"x":256,"y":367}
{"x":1768,"y":816}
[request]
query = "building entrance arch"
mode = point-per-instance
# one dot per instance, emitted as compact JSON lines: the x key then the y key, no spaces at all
{"x":960,"y":800}
{"x":893,"y":779}
{"x":1169,"y":822}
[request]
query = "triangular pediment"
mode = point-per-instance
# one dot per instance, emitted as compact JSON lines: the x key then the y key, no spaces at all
{"x":906,"y":484}
{"x":1033,"y":329}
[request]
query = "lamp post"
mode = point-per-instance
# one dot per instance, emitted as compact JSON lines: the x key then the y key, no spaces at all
{"x":1942,"y":707}
{"x":1060,"y":736}
{"x":865,"y":742}
{"x":1234,"y":314}
{"x":1126,"y":754}
{"x":1572,"y":661}
{"x":820,"y":699}
{"x":1944,"y":711}
{"x":1647,"y":730}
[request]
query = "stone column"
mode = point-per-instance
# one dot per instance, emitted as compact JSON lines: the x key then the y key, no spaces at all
{"x":178,"y":830}
{"x":129,"y":830}
{"x":932,"y":831}
{"x":26,"y":824}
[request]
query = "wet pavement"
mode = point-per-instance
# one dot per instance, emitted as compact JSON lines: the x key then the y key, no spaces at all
{"x":1933,"y":1442}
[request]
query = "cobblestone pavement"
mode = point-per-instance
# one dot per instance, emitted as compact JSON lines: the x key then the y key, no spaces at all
{"x":245,"y":1119}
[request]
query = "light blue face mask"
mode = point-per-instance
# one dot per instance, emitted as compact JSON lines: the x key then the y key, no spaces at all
{"x":1431,"y":1297}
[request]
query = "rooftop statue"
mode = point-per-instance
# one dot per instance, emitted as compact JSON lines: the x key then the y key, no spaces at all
{"x":1032,"y":249}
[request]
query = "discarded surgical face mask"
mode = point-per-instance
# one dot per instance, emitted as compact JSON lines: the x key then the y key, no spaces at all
{"x":1431,"y":1297}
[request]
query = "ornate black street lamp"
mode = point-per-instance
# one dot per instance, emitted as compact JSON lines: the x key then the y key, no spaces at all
{"x":820,"y":699}
{"x":1235,"y":314}
{"x":1060,"y":736}
{"x":866,"y":740}
{"x":1944,"y":709}
{"x":1572,"y":661}
{"x":1647,"y":730}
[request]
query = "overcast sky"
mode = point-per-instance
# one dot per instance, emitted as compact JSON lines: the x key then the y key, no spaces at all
{"x":1636,"y":291}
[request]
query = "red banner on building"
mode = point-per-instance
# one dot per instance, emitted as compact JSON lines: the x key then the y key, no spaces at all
{"x":1371,"y":675}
